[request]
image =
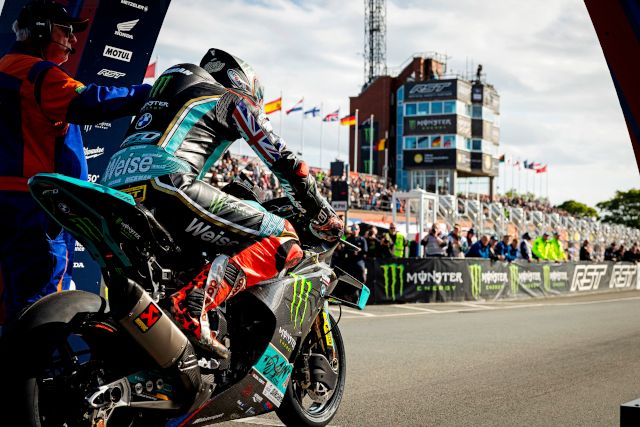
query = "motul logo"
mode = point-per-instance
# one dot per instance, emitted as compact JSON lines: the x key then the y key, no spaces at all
{"x":115,"y":53}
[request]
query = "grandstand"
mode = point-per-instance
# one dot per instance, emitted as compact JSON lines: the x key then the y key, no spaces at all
{"x":372,"y":201}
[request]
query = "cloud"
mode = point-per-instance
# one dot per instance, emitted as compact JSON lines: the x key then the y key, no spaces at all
{"x":558,"y":105}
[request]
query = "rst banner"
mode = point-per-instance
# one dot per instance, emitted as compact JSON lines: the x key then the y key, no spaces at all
{"x":452,"y":279}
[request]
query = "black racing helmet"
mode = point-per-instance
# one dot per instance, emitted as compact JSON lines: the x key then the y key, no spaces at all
{"x":234,"y":74}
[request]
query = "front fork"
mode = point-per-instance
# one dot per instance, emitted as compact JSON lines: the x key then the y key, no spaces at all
{"x":322,"y":327}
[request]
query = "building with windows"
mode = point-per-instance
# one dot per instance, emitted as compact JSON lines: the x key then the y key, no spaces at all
{"x":424,"y":129}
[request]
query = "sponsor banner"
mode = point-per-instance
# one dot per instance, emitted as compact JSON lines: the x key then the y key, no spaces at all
{"x":423,"y":280}
{"x":433,"y":125}
{"x":485,"y":163}
{"x":437,"y":159}
{"x":438,"y":89}
{"x":452,"y":279}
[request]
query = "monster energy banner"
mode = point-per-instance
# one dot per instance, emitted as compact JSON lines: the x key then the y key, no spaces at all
{"x":444,"y":279}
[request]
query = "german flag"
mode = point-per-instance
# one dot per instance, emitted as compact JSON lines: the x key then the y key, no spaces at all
{"x":348,"y":120}
{"x":381,"y":144}
{"x":273,"y":106}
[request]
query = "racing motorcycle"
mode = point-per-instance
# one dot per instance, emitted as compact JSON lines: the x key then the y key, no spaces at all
{"x":76,"y":358}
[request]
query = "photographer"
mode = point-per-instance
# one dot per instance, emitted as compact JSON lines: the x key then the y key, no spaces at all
{"x":434,"y":244}
{"x":386,"y":247}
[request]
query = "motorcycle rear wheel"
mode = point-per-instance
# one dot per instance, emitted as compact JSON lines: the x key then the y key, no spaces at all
{"x":297,"y":407}
{"x":56,"y":369}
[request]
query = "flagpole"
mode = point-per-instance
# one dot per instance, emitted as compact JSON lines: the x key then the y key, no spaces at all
{"x":280,"y":130}
{"x":339,"y":132}
{"x":321,"y":123}
{"x":302,"y":132}
{"x":547,"y":175}
{"x":371,"y":146}
{"x":355,"y":145}
{"x":386,"y":157}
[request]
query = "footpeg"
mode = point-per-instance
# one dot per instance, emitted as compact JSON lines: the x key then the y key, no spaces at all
{"x":208,"y":363}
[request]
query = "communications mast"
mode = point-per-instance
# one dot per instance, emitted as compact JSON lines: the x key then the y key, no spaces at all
{"x":375,"y":40}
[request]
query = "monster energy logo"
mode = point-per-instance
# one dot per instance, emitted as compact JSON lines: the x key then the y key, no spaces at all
{"x":546,"y":277}
{"x":396,"y":273}
{"x":301,"y":290}
{"x":87,"y":228}
{"x":217,"y":203}
{"x":160,"y":85}
{"x":514,"y":278}
{"x":476,"y":280}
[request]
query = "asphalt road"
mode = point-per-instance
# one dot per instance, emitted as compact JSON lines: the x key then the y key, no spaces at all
{"x":568,"y":361}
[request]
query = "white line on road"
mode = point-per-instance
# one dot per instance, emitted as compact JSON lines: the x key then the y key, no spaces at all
{"x":470,"y":304}
{"x":263,"y":421}
{"x":411,"y":307}
{"x":358,"y":312}
{"x":419,"y":312}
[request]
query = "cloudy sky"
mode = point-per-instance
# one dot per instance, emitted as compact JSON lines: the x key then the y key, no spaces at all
{"x":558,"y":104}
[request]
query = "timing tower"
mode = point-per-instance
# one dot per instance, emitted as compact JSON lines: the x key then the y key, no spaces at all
{"x":375,"y":40}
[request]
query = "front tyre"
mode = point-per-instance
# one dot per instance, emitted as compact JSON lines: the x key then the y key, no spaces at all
{"x":313,"y":404}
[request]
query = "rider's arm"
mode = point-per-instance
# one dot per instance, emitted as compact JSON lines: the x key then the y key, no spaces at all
{"x":293,"y":173}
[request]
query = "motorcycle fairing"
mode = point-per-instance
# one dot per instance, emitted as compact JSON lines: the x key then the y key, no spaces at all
{"x":263,"y":388}
{"x":90,"y":212}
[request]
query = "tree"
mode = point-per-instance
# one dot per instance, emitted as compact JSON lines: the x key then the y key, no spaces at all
{"x":623,"y":208}
{"x":578,"y":210}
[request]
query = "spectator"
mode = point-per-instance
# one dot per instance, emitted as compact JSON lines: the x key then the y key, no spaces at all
{"x":631,"y":254}
{"x":585,"y":251}
{"x":42,"y":106}
{"x":470,"y":238}
{"x":555,"y":251}
{"x":480,"y":249}
{"x":399,"y":242}
{"x":454,"y":248}
{"x":493,"y":242}
{"x":540,"y":247}
{"x":502,"y":248}
{"x":386,"y":247}
{"x":525,"y":248}
{"x":373,"y":242}
{"x":513,"y":253}
{"x":355,"y":259}
{"x":610,"y":253}
{"x":434,"y":244}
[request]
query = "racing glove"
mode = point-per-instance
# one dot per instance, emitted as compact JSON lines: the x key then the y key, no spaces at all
{"x":326,"y":225}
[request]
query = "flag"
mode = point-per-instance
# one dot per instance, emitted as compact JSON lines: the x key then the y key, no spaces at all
{"x":273,"y":106}
{"x":525,"y":165}
{"x":151,"y":71}
{"x":296,"y":107}
{"x":381,"y":144}
{"x":501,"y":159}
{"x":315,"y":111}
{"x":348,"y":120}
{"x":366,"y":123}
{"x":332,"y":117}
{"x":541,"y":169}
{"x":435,"y":143}
{"x":516,"y":164}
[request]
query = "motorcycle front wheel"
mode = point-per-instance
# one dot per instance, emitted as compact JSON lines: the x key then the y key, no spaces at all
{"x":312,"y":405}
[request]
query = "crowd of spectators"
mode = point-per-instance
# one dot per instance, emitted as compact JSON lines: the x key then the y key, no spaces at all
{"x":369,"y":192}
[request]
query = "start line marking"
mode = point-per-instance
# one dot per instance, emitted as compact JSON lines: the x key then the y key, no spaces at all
{"x":262,"y":421}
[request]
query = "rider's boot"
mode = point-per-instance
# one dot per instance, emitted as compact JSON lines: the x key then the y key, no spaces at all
{"x":212,"y":286}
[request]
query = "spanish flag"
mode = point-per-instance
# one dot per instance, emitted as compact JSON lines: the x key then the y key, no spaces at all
{"x":273,"y":106}
{"x":348,"y":120}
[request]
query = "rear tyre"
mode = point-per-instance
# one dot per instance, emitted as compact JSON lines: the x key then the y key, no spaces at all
{"x":302,"y":407}
{"x":49,"y":370}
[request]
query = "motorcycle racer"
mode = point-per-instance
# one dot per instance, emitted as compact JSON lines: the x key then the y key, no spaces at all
{"x":194,"y":113}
